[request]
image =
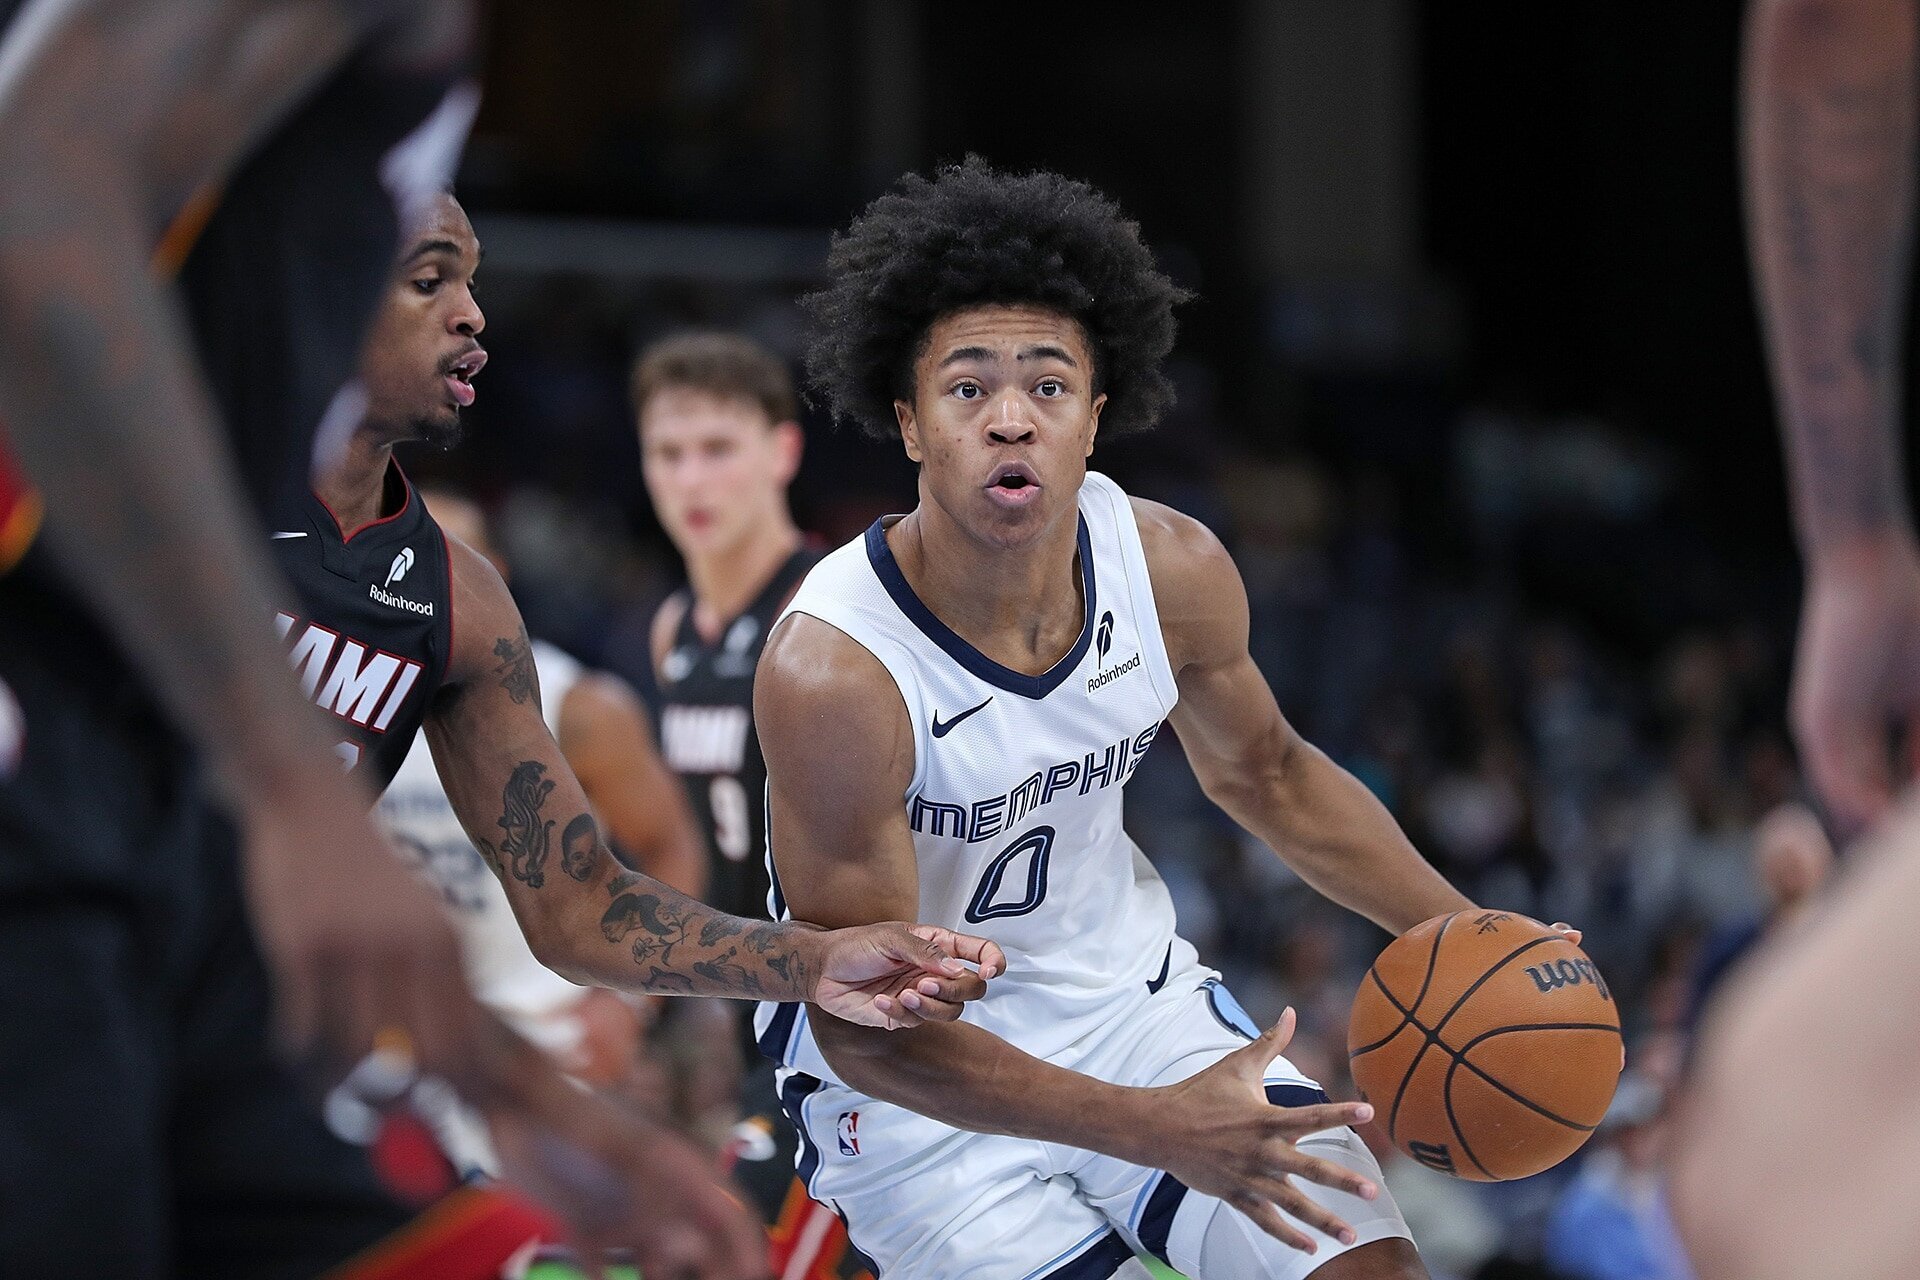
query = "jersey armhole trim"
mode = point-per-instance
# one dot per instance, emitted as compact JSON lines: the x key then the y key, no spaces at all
{"x":1139,"y":581}
{"x":446,"y":550}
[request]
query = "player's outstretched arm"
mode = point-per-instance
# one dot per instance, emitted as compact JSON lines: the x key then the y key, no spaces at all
{"x":605,"y":736}
{"x":112,"y":112}
{"x":1314,"y":814}
{"x":586,"y":915}
{"x":839,"y":750}
{"x":1829,"y":95}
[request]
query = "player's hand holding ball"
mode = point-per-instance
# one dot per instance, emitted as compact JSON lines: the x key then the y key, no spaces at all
{"x":1489,"y":1044}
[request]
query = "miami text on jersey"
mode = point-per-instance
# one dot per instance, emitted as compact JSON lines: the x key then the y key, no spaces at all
{"x":353,"y":680}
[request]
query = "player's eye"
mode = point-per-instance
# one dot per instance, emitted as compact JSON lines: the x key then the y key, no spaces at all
{"x":1050,"y":388}
{"x":427,"y":285}
{"x":967,"y":390}
{"x":473,"y":284}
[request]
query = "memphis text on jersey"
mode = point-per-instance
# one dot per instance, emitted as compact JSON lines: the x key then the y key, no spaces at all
{"x":985,"y":819}
{"x":353,"y":680}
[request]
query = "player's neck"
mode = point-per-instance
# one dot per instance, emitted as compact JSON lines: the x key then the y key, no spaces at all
{"x":1020,"y":606}
{"x":725,"y":582}
{"x":355,"y":489}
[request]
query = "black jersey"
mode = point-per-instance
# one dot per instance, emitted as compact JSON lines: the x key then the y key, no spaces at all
{"x":375,"y":630}
{"x":706,"y":734}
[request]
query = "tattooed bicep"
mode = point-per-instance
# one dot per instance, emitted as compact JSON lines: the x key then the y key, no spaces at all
{"x":514,"y":668}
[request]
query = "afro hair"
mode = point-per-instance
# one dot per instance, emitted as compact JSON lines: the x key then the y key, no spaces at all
{"x":972,"y":235}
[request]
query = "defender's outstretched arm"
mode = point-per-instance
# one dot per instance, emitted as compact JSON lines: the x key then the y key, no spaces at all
{"x":588,"y":917}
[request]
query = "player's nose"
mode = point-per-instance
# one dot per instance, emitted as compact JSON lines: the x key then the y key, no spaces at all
{"x":467,"y":320}
{"x":1009,"y":422}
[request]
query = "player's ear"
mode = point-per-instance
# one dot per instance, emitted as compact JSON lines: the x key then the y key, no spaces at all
{"x":789,"y":444}
{"x":909,"y":429}
{"x":1093,"y":426}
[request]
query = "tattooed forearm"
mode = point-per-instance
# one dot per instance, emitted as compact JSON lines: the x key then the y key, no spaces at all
{"x":1830,"y":103}
{"x":527,"y":836}
{"x":516,"y":671}
{"x":686,"y":947}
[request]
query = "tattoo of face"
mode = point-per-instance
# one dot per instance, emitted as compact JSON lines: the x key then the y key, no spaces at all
{"x":580,"y":848}
{"x":527,"y":836}
{"x":516,"y":669}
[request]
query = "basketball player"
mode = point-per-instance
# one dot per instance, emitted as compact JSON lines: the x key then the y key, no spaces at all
{"x":1830,"y":96}
{"x":604,"y":734}
{"x":137,"y":1070}
{"x":402,"y":626}
{"x":197,"y":214}
{"x":949,"y":708}
{"x":719,"y":446}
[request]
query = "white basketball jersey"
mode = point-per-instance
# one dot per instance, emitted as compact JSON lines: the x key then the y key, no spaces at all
{"x":501,"y":969}
{"x":1015,"y":802}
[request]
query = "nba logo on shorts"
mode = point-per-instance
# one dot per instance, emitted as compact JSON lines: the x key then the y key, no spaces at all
{"x":849,"y":1135}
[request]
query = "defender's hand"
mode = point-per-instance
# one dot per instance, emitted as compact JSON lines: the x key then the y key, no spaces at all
{"x":1857,"y":672}
{"x":1217,"y":1133}
{"x":355,"y":943}
{"x":623,"y":1183}
{"x":899,"y":975}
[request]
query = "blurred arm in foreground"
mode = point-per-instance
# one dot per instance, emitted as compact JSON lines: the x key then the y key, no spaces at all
{"x":1830,"y":91}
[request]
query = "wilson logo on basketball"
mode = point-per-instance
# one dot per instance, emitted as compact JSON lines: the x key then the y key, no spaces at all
{"x":1568,"y":973}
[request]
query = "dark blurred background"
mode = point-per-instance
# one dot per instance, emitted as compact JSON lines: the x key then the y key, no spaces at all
{"x":1472,"y":387}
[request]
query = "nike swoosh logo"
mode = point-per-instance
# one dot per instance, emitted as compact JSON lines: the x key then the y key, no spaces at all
{"x":1154,"y":984}
{"x":289,"y":535}
{"x":942,"y":730}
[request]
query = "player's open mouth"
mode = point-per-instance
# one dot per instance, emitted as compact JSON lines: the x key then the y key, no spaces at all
{"x":460,"y":376}
{"x":1013,"y":485}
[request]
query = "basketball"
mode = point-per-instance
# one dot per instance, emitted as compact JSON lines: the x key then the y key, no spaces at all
{"x":1487,"y":1043}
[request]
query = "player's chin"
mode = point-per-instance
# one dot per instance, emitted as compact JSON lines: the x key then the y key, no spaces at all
{"x":441,"y":430}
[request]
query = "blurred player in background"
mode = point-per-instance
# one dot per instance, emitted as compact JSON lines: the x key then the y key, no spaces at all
{"x":719,"y":446}
{"x":603,"y":732}
{"x":198,"y":214}
{"x":1771,"y":1183}
{"x":950,"y":708}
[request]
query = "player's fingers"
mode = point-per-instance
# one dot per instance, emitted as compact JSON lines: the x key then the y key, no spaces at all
{"x":930,"y":948}
{"x":349,"y":1019}
{"x":968,"y":986}
{"x":740,"y":1241}
{"x":932,"y":1008}
{"x":1269,"y":1220}
{"x":1308,"y":1210}
{"x":1298,"y":1122}
{"x":296,"y":1014}
{"x":1573,"y":935}
{"x":1848,"y":765}
{"x":1250,"y":1062}
{"x":1288,"y":1160}
{"x":980,"y":951}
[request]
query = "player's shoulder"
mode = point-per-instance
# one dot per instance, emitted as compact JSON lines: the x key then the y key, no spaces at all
{"x":484,"y":614}
{"x":808,"y":659}
{"x":828,"y":709}
{"x":1182,"y":554}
